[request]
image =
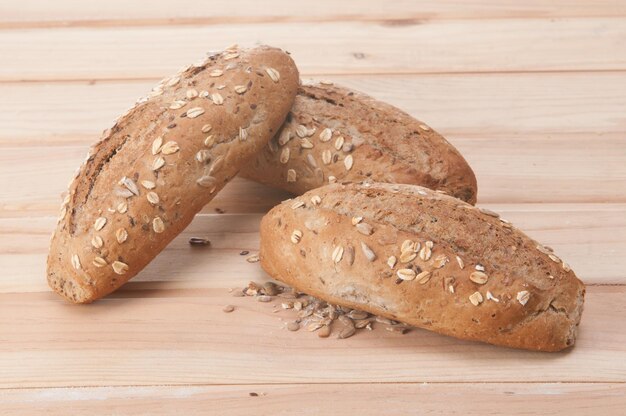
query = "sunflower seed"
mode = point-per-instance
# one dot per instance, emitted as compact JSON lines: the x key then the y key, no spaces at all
{"x":148,"y":184}
{"x":100,"y":223}
{"x":491,"y":297}
{"x":337,"y":254}
{"x":407,"y":256}
{"x":217,"y":98}
{"x":316,"y":200}
{"x":99,"y":262}
{"x":339,"y":142}
{"x":391,"y":262}
{"x":476,"y":298}
{"x":228,"y":308}
{"x":122,"y":207}
{"x":364,"y":228}
{"x":356,"y":220}
{"x":119,"y":267}
{"x":284,"y":155}
{"x":296,"y":236}
{"x":324,"y":332}
{"x":424,"y":127}
{"x":97,"y":241}
{"x":460,"y":262}
{"x":423,"y":277}
{"x":76,"y":261}
{"x":156,"y":145}
{"x":157,"y":225}
{"x":199,"y":241}
{"x":306,"y":144}
{"x":348,"y":162}
{"x":368,"y":252}
{"x":406,"y":274}
{"x":170,"y":147}
{"x":173,"y":81}
{"x":326,"y":135}
{"x":291,"y":175}
{"x":121,"y":235}
{"x":158,"y":163}
{"x":326,"y":157}
{"x":206,"y":128}
{"x":243,"y":134}
{"x":347,"y":332}
{"x":523,"y":297}
{"x":153,"y":198}
{"x":216,"y":73}
{"x":203,"y":156}
{"x":253,"y":259}
{"x":195,"y":112}
{"x":178,"y":104}
{"x":206,"y":181}
{"x":293,"y":326}
{"x":297,"y":204}
{"x":130,"y":185}
{"x":274,"y":74}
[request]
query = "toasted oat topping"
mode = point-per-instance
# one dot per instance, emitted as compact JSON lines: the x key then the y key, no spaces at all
{"x":97,"y":241}
{"x":291,"y":175}
{"x":195,"y":112}
{"x":157,"y":225}
{"x":241,"y":89}
{"x":153,"y":198}
{"x":76,"y":262}
{"x":100,"y":223}
{"x":491,"y":297}
{"x":476,"y":298}
{"x":348,"y":162}
{"x":156,"y":145}
{"x":119,"y":267}
{"x":206,"y":128}
{"x":296,"y":236}
{"x":326,"y":135}
{"x":316,"y":200}
{"x":148,"y":184}
{"x":368,"y":252}
{"x":273,"y":74}
{"x":158,"y":163}
{"x":297,"y":204}
{"x":337,"y":254}
{"x":391,"y":262}
{"x":364,"y":228}
{"x":217,"y":98}
{"x":356,"y":220}
{"x":121,"y":235}
{"x":406,"y":274}
{"x":523,"y":297}
{"x":479,"y":277}
{"x":170,"y":148}
{"x":327,"y":157}
{"x":99,"y":262}
{"x":423,"y":277}
{"x":284,"y":155}
{"x":339,"y":142}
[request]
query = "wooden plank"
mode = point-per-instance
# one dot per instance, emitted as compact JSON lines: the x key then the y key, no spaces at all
{"x":502,"y":105}
{"x":549,"y":170}
{"x":516,"y":399}
{"x":321,"y":48}
{"x":590,"y":237}
{"x":38,"y":13}
{"x":157,"y":338}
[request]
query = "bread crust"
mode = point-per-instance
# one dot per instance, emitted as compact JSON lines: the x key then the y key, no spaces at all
{"x":161,"y":162}
{"x":527,"y":297}
{"x":329,"y":125}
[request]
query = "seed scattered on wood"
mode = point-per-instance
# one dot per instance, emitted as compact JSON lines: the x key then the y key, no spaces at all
{"x":337,"y":254}
{"x":306,"y":144}
{"x":339,"y":142}
{"x":273,"y":74}
{"x":326,"y":135}
{"x":99,"y":262}
{"x":203,"y":156}
{"x":206,"y":181}
{"x":158,"y":163}
{"x":291,"y":175}
{"x":153,"y":198}
{"x":479,"y":277}
{"x":217,"y":98}
{"x":424,"y":127}
{"x":216,"y":73}
{"x":119,"y":267}
{"x":368,"y":252}
{"x":296,"y":236}
{"x":206,"y":128}
{"x":97,"y":241}
{"x":156,"y":145}
{"x":199,"y":241}
{"x":76,"y":262}
{"x":347,"y":332}
{"x":364,"y":228}
{"x":476,"y":298}
{"x":100,"y":223}
{"x":228,"y":308}
{"x":293,"y":326}
{"x":284,"y":155}
{"x":316,"y":200}
{"x":391,"y":262}
{"x":170,"y":147}
{"x":423,"y":277}
{"x":253,"y":259}
{"x":406,"y":274}
{"x":523,"y":297}
{"x":491,"y":297}
{"x":324,"y":331}
{"x":264,"y":298}
{"x":348,"y":162}
{"x":121,"y":235}
{"x":157,"y":225}
{"x":241,"y":89}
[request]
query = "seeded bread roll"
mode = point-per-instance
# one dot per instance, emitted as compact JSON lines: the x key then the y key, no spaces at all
{"x":336,"y":134}
{"x":414,"y":255}
{"x":162,"y":162}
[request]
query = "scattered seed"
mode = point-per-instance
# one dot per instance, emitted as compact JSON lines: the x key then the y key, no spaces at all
{"x":157,"y":225}
{"x":523,"y":297}
{"x":407,"y":245}
{"x":347,"y":148}
{"x":391,"y":262}
{"x":130,"y":185}
{"x":76,"y":262}
{"x":199,"y":241}
{"x":316,"y":200}
{"x":326,"y":135}
{"x":440,"y":261}
{"x":217,"y":98}
{"x":100,"y":223}
{"x":97,"y":241}
{"x":368,"y":252}
{"x":296,"y":236}
{"x":119,"y":267}
{"x":121,"y":235}
{"x":476,"y":298}
{"x":243,"y":134}
{"x":460,"y":262}
{"x":348,"y":162}
{"x":153,"y":198}
{"x":406,"y":274}
{"x":479,"y":267}
{"x":554,"y":258}
{"x":566,"y":267}
{"x":274,"y":74}
{"x":264,"y":298}
{"x":489,"y":212}
{"x":291,"y":175}
{"x":228,"y":308}
{"x":191,"y":94}
{"x":293,"y":326}
{"x":253,"y":259}
{"x":284,"y":137}
{"x":297,"y":204}
{"x":158,"y":163}
{"x":332,"y":179}
{"x":231,"y":55}
{"x":543,"y":249}
{"x":337,"y":254}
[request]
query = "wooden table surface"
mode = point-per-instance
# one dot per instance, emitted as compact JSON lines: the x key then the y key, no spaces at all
{"x":533,"y":93}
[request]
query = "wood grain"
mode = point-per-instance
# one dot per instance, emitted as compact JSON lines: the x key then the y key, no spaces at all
{"x":590,"y":237}
{"x":451,"y":46}
{"x":160,"y":12}
{"x":156,"y":338}
{"x":514,"y":399}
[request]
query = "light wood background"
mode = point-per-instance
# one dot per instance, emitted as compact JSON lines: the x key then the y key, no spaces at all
{"x":532,"y":92}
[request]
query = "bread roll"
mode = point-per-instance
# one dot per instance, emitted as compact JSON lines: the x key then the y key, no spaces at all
{"x":336,"y":134}
{"x":161,"y":162}
{"x":420,"y":257}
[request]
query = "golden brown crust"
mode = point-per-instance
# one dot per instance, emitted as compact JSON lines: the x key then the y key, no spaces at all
{"x":503,"y":288}
{"x":329,"y":125}
{"x":162,"y":162}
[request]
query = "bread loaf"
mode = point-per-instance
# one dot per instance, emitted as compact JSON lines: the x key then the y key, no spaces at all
{"x":335,"y":134}
{"x":162,"y":162}
{"x":414,"y":255}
